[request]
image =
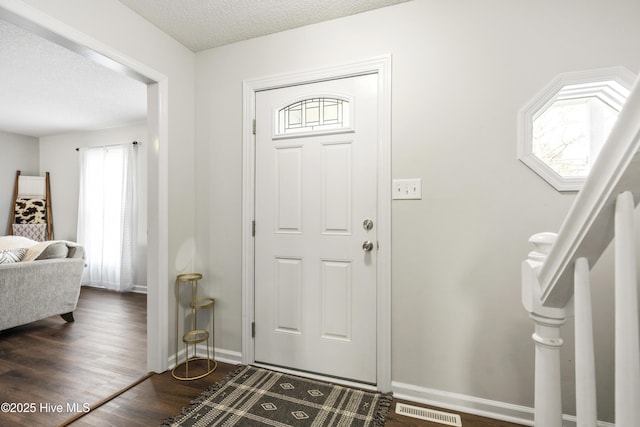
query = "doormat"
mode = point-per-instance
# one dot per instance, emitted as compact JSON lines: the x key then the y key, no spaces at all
{"x":253,"y":396}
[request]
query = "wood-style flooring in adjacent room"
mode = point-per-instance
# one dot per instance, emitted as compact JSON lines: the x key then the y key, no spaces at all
{"x":54,"y":362}
{"x":101,"y":353}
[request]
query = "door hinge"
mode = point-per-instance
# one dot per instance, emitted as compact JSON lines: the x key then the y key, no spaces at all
{"x":253,"y":329}
{"x":253,"y":228}
{"x":254,"y":126}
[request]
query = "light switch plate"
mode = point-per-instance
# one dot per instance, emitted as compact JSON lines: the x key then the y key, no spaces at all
{"x":407,"y":189}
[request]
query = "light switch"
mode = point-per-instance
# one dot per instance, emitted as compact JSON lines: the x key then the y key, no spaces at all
{"x":407,"y":189}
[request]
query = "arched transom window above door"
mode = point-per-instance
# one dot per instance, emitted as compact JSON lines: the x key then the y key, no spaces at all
{"x":562,"y":130}
{"x":314,"y":115}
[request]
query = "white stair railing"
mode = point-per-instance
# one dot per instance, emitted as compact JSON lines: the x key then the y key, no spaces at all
{"x":556,"y":285}
{"x":586,"y":401}
{"x":627,"y":345}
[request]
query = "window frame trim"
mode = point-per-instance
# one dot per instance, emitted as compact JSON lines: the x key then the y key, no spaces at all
{"x":315,"y":95}
{"x":547,"y":96}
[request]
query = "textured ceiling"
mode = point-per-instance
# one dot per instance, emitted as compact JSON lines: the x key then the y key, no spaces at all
{"x":47,"y":89}
{"x":203,"y":24}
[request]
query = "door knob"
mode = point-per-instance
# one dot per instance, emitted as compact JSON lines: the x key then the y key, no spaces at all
{"x":367,"y":246}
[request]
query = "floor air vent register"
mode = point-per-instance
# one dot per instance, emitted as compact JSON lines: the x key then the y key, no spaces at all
{"x":429,"y":415}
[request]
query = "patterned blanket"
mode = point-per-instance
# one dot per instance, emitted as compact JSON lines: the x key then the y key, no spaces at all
{"x":30,"y":211}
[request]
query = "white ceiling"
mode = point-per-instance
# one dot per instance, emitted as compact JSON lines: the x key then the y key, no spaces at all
{"x":203,"y":24}
{"x":47,"y":89}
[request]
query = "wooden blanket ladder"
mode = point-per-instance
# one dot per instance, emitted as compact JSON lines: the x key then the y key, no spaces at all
{"x":31,"y":214}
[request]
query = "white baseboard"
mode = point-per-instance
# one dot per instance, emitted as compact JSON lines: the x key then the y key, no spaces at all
{"x":570,"y":421}
{"x":463,"y":403}
{"x":228,"y":356}
{"x":474,"y":405}
{"x":139,"y":289}
{"x":221,"y":355}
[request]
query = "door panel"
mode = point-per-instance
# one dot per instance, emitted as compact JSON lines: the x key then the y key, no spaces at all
{"x":315,"y":286}
{"x":288,"y":190}
{"x":288,"y":295}
{"x":337,"y":183}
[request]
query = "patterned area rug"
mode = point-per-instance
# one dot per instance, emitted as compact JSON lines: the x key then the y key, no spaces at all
{"x":252,"y":396}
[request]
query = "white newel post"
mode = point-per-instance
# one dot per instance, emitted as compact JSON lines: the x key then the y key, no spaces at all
{"x":548,"y":392}
{"x":548,"y":398}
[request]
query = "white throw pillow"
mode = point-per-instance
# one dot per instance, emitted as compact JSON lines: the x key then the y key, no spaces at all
{"x":9,"y":256}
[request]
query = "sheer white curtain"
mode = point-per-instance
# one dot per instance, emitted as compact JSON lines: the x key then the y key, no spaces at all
{"x":107,"y":215}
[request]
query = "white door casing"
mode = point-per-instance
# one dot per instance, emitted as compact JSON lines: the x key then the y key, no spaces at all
{"x":381,"y":68}
{"x":315,"y":285}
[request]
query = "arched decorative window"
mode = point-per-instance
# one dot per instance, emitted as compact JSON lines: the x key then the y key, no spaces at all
{"x":319,"y":114}
{"x":562,"y":130}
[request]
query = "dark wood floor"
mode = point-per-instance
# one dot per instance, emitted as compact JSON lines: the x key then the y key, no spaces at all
{"x":167,"y":397}
{"x":54,"y":362}
{"x":103,"y":352}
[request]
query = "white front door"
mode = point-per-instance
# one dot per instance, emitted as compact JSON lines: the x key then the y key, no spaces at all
{"x":315,"y":240}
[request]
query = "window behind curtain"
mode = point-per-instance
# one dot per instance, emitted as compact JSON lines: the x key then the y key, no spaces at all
{"x":107,"y":215}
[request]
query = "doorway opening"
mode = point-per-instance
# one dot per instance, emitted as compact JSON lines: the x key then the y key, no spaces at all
{"x":157,"y":188}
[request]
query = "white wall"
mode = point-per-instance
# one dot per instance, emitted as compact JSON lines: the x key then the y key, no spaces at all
{"x":19,"y":153}
{"x":59,"y":157}
{"x":461,"y":72}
